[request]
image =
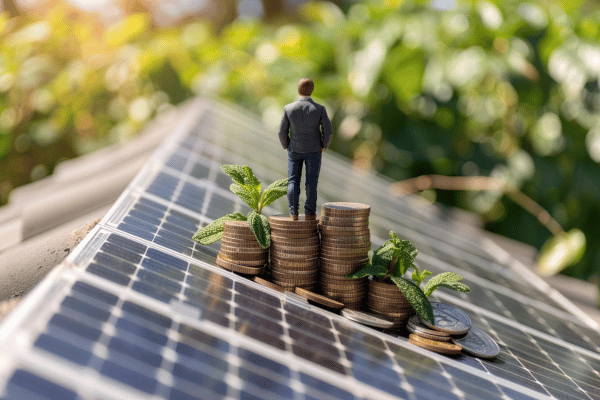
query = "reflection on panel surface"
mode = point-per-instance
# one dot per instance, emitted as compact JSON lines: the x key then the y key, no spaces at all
{"x":141,"y":310}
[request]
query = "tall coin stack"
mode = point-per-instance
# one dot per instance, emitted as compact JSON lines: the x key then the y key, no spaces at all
{"x":345,"y":243}
{"x":294,"y":252}
{"x":240,"y":251}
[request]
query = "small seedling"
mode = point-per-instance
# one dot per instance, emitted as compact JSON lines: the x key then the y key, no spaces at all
{"x":248,"y":188}
{"x":393,"y":259}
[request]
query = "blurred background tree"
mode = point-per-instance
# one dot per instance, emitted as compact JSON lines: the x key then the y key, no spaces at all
{"x":501,"y":89}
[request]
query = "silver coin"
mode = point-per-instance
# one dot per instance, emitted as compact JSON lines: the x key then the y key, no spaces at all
{"x":448,"y":318}
{"x":415,"y":323}
{"x":367,"y":319}
{"x":478,"y":343}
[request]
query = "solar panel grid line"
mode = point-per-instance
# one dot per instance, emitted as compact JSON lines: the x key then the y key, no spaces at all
{"x":558,"y":341}
{"x":541,"y":284}
{"x":424,"y":258}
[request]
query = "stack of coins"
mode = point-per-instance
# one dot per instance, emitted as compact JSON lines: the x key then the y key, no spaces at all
{"x":294,"y":252}
{"x":345,"y":243}
{"x":388,"y":301}
{"x":451,"y":333}
{"x":240,"y":251}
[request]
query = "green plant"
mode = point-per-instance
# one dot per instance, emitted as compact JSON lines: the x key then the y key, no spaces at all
{"x":248,"y":188}
{"x":393,"y":259}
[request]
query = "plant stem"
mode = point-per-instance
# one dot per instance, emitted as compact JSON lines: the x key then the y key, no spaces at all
{"x":477,"y":183}
{"x":391,"y":267}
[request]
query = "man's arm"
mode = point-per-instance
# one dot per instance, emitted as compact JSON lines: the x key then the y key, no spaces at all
{"x":284,"y":128}
{"x":326,"y":128}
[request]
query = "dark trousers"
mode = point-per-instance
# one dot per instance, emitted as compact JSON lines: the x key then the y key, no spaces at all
{"x":313,"y":167}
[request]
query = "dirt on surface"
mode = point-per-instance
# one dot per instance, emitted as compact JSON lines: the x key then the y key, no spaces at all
{"x":28,"y":270}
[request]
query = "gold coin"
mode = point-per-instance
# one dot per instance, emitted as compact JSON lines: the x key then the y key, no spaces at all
{"x":294,"y":264}
{"x":346,"y":230}
{"x":317,"y":298}
{"x":268,"y":284}
{"x":345,"y":208}
{"x":435,"y":345}
{"x":278,"y":235}
{"x":245,"y":250}
{"x":363,"y":240}
{"x":246,"y":237}
{"x":293,"y":272}
{"x":248,"y":263}
{"x":328,"y":219}
{"x":296,"y":250}
{"x":338,"y":270}
{"x":239,"y":227}
{"x":251,"y":245}
{"x":242,"y":269}
{"x":294,"y":278}
{"x":236,"y":256}
{"x":277,"y":241}
{"x":286,"y":222}
{"x":331,"y":224}
{"x":345,"y":253}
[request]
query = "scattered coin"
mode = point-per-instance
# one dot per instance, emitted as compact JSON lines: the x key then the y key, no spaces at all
{"x":415,"y":326}
{"x":478,"y":343}
{"x":268,"y":284}
{"x":367,"y":318}
{"x":448,"y":318}
{"x":434,"y":345}
{"x":317,"y":298}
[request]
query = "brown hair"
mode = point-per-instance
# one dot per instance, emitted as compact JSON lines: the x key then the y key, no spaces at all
{"x":305,"y":87}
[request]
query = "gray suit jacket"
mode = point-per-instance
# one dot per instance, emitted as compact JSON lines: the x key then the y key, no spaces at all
{"x":308,"y":125}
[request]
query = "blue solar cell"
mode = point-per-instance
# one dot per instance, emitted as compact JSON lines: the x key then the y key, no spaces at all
{"x":63,"y":349}
{"x":129,"y":377}
{"x":126,"y":243}
{"x":24,"y":385}
{"x":136,"y":352}
{"x":107,"y":273}
{"x":153,"y":291}
{"x":251,"y":358}
{"x":120,"y":252}
{"x":94,"y":292}
{"x":85,"y":308}
{"x":184,"y":375}
{"x":65,"y":323}
{"x":165,"y":258}
{"x":146,"y":314}
{"x":200,"y":171}
{"x":163,"y":269}
{"x":192,"y":356}
{"x":247,"y":317}
{"x":117,"y":264}
{"x":325,"y":387}
{"x":177,"y":162}
{"x":265,"y":383}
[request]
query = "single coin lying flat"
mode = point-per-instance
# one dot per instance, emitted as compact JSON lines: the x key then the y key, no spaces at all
{"x":478,"y":343}
{"x":318,"y":298}
{"x":449,"y":319}
{"x":368,"y":319}
{"x":434,"y":345}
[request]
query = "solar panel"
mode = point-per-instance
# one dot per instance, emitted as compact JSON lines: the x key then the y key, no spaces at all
{"x":139,"y":310}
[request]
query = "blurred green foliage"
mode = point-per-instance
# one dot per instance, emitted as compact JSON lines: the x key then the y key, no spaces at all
{"x":508,"y":89}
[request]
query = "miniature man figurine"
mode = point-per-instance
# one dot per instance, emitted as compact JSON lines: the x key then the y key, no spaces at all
{"x":305,"y":132}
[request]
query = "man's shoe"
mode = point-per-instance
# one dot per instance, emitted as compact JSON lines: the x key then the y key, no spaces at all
{"x":310,"y":217}
{"x":294,"y":217}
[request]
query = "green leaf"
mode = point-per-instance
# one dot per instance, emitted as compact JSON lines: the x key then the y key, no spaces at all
{"x":260,"y":227}
{"x":446,"y":279}
{"x":251,"y":179}
{"x":235,"y":172}
{"x":214,"y":231}
{"x":415,"y":297}
{"x":561,"y":251}
{"x":419,"y":277}
{"x":245,"y":195}
{"x":275,"y":190}
{"x":458,"y":286}
{"x":378,"y":271}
